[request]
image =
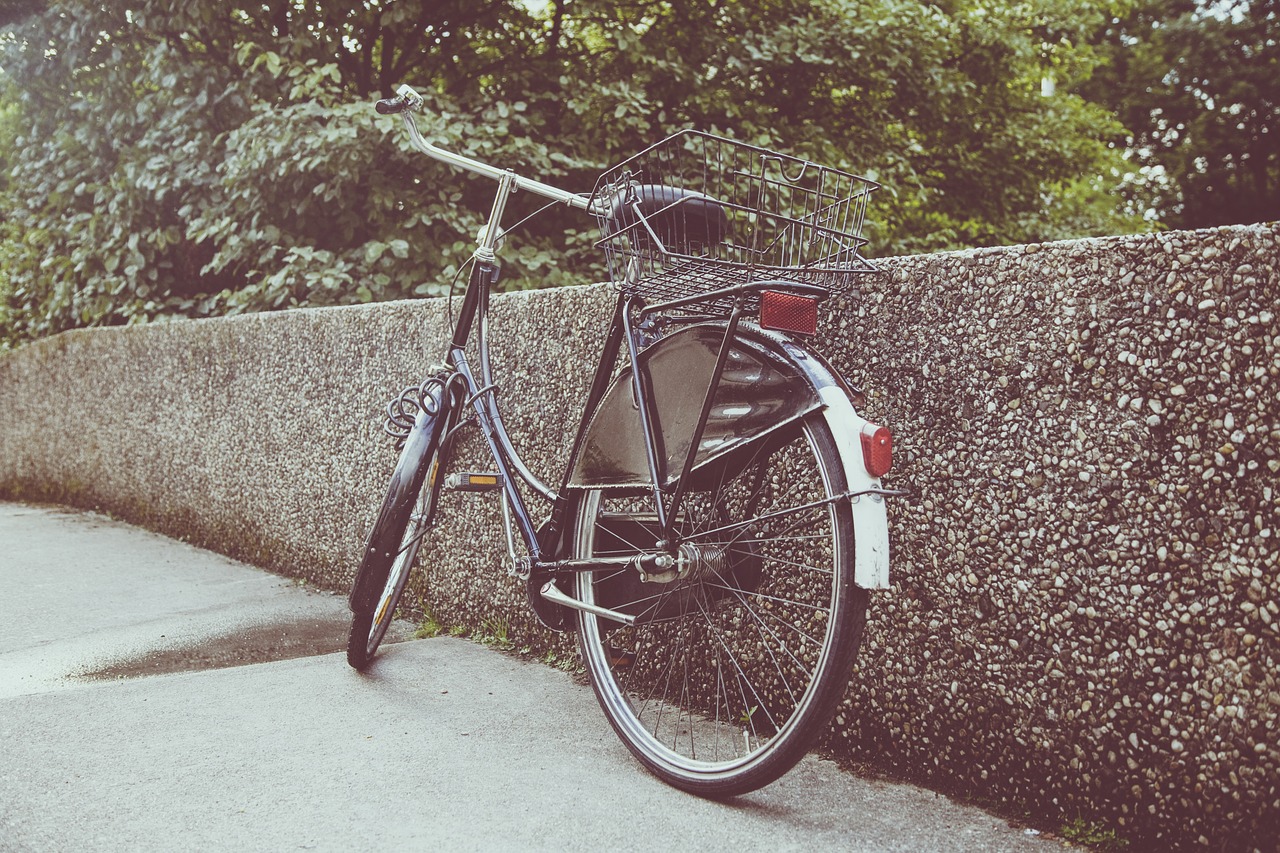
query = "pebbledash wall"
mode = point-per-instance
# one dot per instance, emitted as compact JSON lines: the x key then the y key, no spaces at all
{"x":1083,"y":620}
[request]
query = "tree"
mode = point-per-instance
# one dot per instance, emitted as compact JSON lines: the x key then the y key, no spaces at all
{"x":1198,"y":85}
{"x":194,"y":159}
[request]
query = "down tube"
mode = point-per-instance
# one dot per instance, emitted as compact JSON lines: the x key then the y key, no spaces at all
{"x":487,"y":428}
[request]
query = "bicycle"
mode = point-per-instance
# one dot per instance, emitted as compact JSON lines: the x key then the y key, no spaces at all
{"x":722,"y":516}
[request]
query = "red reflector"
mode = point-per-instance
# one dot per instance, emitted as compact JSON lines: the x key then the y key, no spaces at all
{"x":788,"y":312}
{"x":877,"y":449}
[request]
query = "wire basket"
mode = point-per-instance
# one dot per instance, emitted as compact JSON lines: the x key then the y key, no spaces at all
{"x":696,"y":213}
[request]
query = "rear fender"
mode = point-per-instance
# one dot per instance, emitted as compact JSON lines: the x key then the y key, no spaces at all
{"x":760,"y":390}
{"x":870,"y":515}
{"x":769,"y":381}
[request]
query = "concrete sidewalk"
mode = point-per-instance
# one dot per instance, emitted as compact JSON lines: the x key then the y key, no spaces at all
{"x":445,"y":744}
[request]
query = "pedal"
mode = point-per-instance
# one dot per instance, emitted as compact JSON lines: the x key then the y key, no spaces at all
{"x":620,"y":659}
{"x":473,"y":481}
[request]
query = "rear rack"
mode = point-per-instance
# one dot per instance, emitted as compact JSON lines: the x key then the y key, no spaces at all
{"x":697,"y":213}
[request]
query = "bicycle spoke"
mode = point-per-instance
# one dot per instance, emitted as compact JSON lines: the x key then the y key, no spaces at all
{"x":808,"y":567}
{"x":761,"y":626}
{"x":742,"y":676}
{"x":735,"y":525}
{"x":730,"y":657}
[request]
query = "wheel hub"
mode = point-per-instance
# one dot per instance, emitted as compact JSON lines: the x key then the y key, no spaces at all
{"x":696,"y":562}
{"x":691,"y":563}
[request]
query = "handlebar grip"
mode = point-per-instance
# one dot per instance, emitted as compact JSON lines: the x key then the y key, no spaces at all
{"x":391,"y":106}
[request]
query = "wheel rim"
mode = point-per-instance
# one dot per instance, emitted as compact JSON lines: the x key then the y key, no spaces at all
{"x":406,"y":555}
{"x":728,"y":669}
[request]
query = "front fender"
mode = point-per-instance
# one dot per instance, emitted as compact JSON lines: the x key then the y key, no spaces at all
{"x":402,"y":492}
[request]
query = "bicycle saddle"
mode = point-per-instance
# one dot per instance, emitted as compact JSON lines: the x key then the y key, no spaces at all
{"x":683,"y":220}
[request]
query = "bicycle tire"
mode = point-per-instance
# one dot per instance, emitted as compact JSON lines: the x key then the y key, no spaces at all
{"x":729,"y":676}
{"x":406,"y":513}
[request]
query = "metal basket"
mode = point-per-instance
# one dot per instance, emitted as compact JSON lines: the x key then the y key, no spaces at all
{"x":696,"y":213}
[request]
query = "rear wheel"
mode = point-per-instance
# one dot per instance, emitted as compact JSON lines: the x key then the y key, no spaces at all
{"x":730,"y":673}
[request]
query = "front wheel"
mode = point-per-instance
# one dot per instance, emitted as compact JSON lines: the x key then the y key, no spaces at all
{"x":731,"y":673}
{"x":392,"y":549}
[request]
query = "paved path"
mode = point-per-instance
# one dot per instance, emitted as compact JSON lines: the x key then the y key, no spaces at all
{"x":445,"y":745}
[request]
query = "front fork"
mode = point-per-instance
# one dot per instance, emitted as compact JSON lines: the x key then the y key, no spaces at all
{"x":386,"y":538}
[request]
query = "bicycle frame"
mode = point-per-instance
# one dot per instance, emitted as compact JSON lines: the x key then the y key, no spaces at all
{"x":481,"y":394}
{"x":667,"y":477}
{"x":721,"y":515}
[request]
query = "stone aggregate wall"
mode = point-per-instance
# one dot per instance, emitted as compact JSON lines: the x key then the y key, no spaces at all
{"x":1084,"y":615}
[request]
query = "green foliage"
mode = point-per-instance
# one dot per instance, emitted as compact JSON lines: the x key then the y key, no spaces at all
{"x":494,"y":631}
{"x":1197,"y":84}
{"x":428,"y":628}
{"x":1093,"y":834}
{"x":170,"y":158}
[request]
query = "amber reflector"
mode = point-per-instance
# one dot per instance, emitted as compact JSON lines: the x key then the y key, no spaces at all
{"x":877,"y":449}
{"x":788,"y":312}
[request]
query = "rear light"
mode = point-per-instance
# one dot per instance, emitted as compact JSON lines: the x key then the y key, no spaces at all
{"x":787,"y":312}
{"x":877,"y":449}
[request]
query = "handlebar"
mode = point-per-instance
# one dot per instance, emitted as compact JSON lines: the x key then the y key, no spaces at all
{"x":407,"y":101}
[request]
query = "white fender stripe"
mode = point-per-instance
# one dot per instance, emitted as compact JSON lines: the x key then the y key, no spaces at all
{"x":870,"y":517}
